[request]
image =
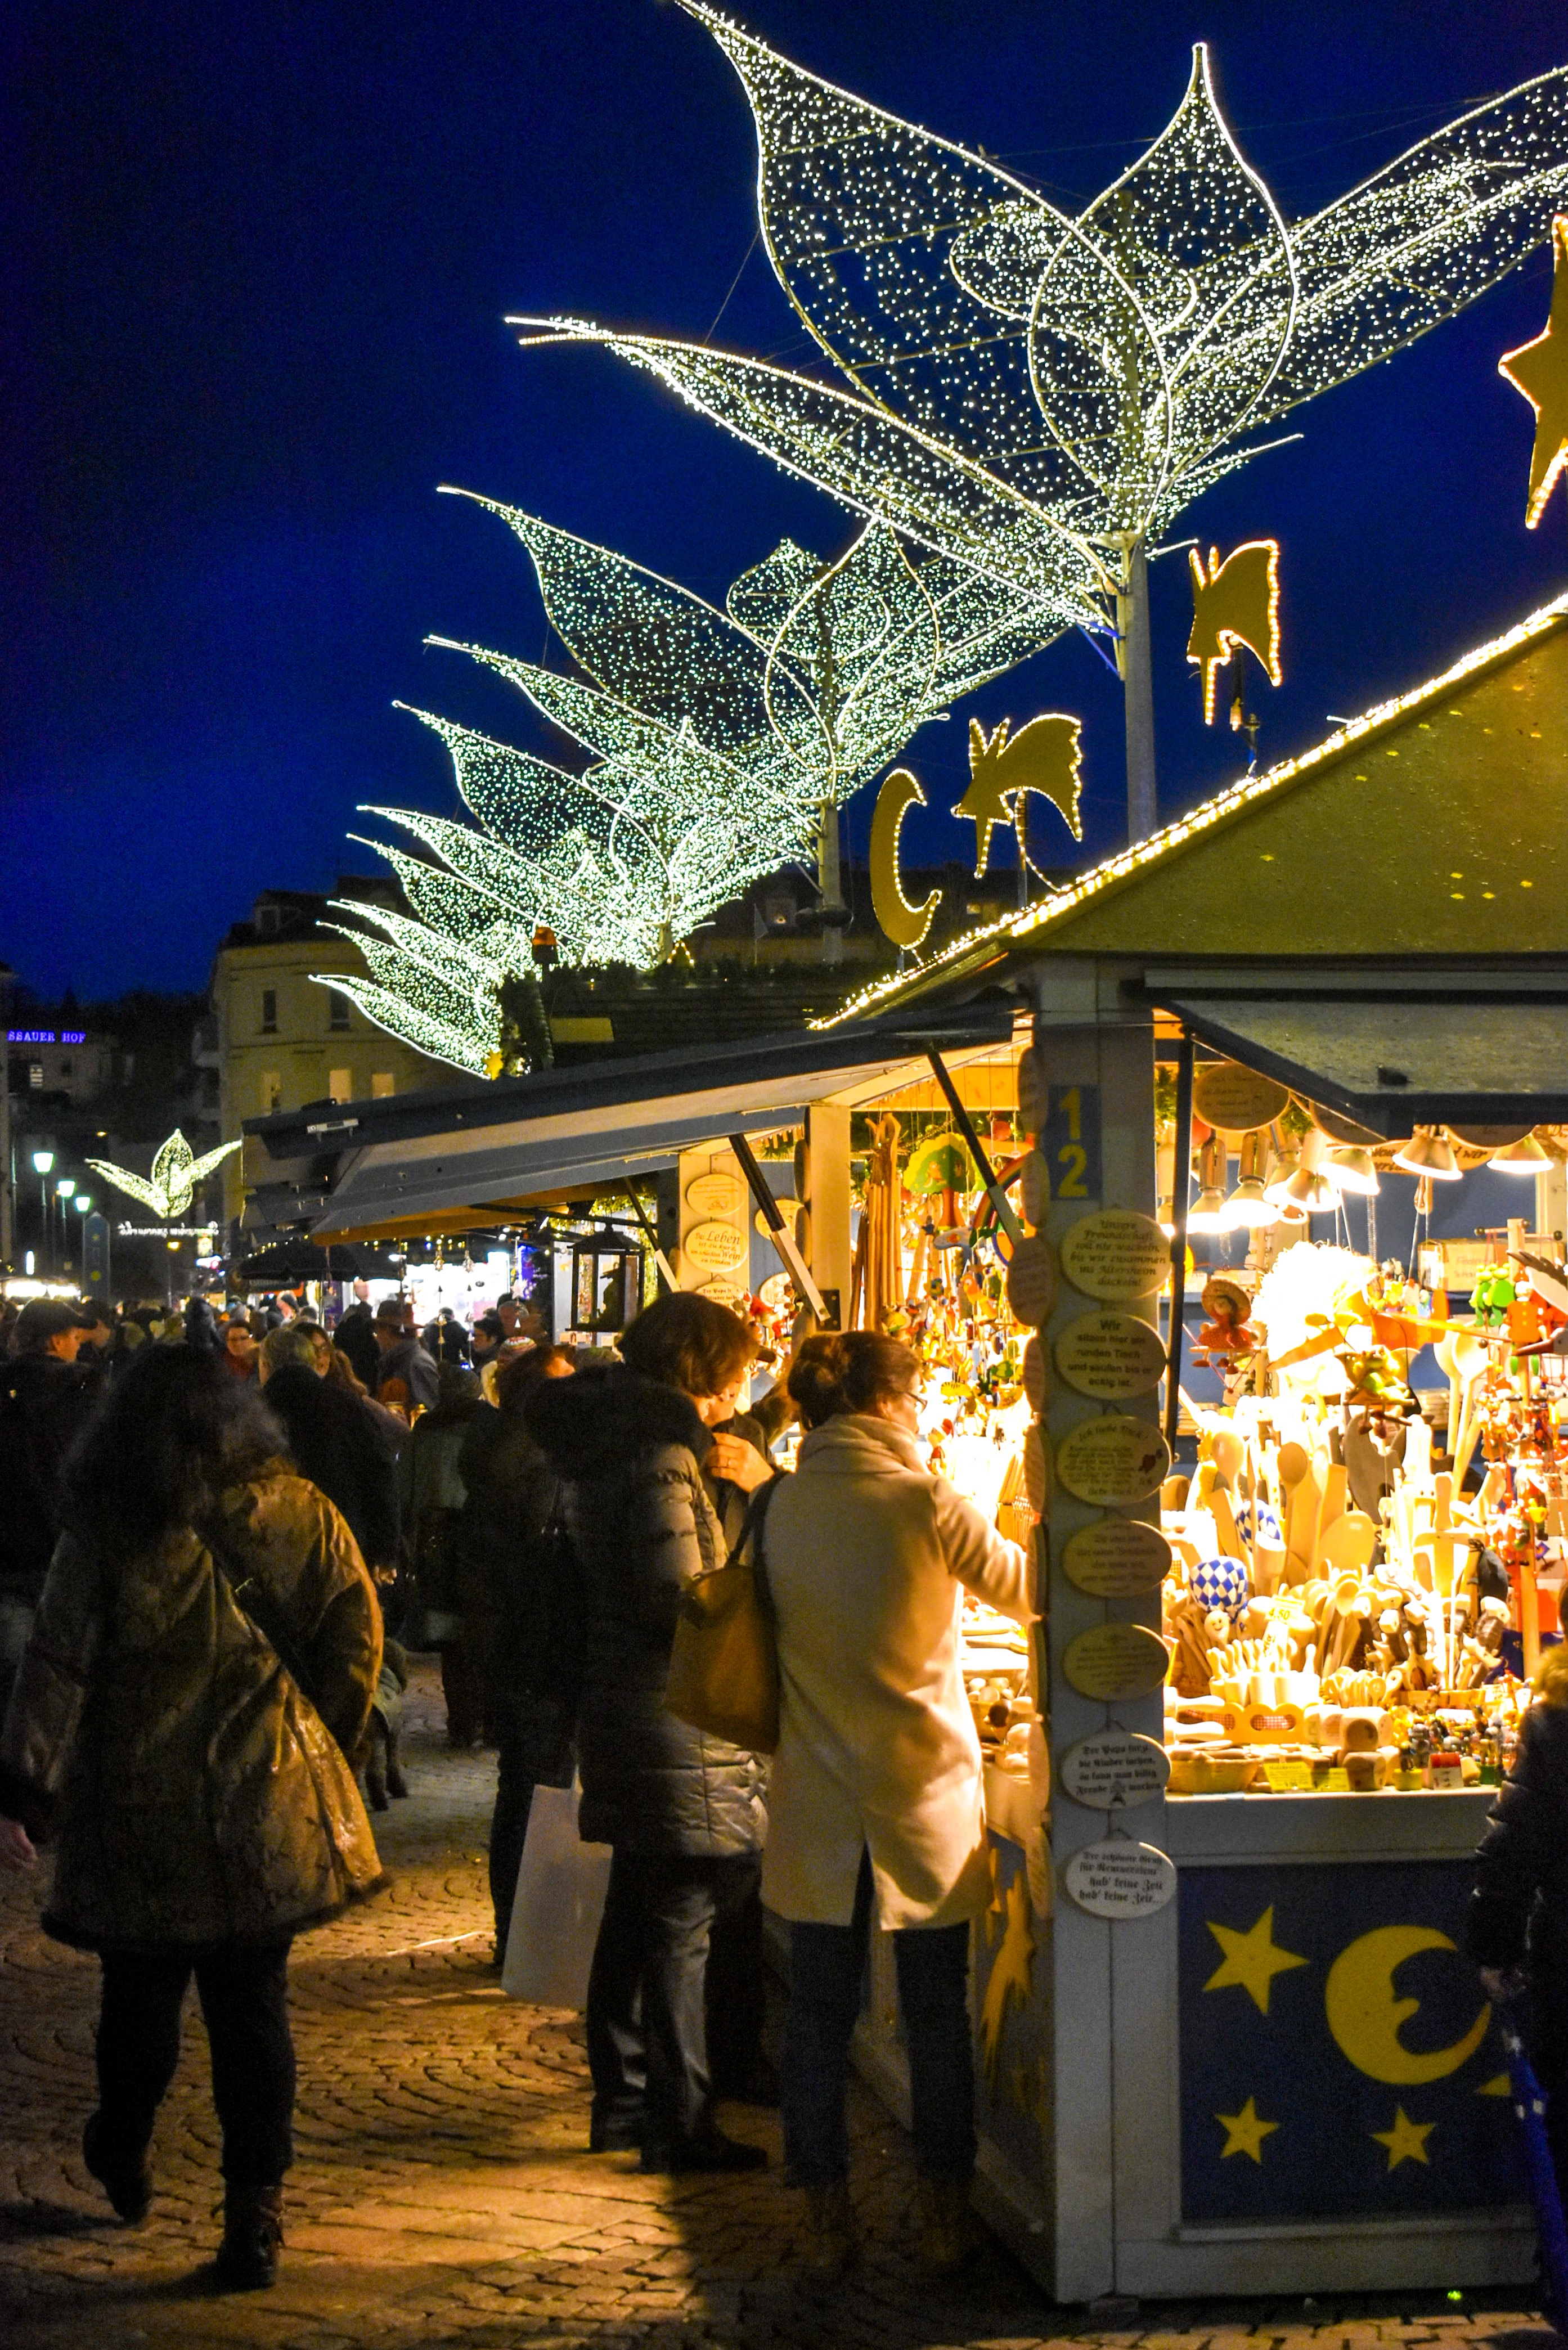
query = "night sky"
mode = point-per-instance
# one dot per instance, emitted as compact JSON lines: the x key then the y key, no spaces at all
{"x":256,"y":262}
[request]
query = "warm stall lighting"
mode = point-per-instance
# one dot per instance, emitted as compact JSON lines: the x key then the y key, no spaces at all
{"x":1250,"y":1206}
{"x":1310,"y":1189}
{"x":1207,"y":1213}
{"x":1286,"y":1164}
{"x":1352,"y":1170}
{"x":1524,"y":1157}
{"x":1428,"y":1152}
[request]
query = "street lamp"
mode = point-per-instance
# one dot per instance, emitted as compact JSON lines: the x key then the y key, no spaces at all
{"x":42,"y":1163}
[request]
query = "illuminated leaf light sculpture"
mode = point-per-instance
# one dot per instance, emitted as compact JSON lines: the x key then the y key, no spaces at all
{"x":719,"y":745}
{"x":176,"y":1172}
{"x":1035,"y":396}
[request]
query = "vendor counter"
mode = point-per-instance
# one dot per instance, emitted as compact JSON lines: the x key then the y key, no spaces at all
{"x":1306,"y":2089}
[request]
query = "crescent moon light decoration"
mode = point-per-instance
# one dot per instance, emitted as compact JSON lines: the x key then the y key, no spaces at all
{"x":1365,"y":2016}
{"x":905,"y":924}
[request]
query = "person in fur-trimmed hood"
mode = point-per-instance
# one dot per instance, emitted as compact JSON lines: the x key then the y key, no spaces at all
{"x":685,"y":1813}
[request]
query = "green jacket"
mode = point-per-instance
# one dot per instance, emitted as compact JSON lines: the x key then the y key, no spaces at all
{"x":195,"y":1794}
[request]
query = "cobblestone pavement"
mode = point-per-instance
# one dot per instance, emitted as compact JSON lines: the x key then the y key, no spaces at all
{"x":442,"y":2195}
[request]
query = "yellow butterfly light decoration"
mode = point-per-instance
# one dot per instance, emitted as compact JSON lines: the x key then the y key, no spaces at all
{"x":1235,"y":603}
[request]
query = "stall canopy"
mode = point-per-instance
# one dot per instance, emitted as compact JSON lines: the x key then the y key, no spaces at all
{"x":446,"y":1161}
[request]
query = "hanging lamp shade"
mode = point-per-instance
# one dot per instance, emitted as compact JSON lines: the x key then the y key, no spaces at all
{"x":1522,"y":1157}
{"x":1310,"y":1189}
{"x":1207,"y":1213}
{"x":1284,"y":1168}
{"x":1352,"y":1170}
{"x":1250,"y":1206}
{"x":1428,"y":1152}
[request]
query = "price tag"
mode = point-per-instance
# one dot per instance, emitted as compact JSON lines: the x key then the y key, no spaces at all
{"x":1338,"y":1779}
{"x":1285,"y":1778}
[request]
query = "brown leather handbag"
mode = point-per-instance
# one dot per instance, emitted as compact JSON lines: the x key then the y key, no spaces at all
{"x":724,"y":1666}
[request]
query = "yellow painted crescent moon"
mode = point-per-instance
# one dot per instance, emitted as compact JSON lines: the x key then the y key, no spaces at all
{"x":1365,"y":2016}
{"x":905,"y":924}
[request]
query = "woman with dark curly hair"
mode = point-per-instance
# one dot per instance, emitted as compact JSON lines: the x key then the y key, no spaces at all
{"x":876,"y":1792}
{"x":684,"y":1812}
{"x":203,"y":1658}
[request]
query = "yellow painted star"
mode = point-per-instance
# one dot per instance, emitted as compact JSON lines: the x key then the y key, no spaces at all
{"x":1244,"y":2132}
{"x":1540,"y":371}
{"x":1500,"y":2085}
{"x":1407,"y":2141}
{"x":1252,"y":1959}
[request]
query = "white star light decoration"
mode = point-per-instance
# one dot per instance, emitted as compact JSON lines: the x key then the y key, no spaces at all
{"x":713,"y":741}
{"x":1033,"y":395}
{"x":176,"y":1172}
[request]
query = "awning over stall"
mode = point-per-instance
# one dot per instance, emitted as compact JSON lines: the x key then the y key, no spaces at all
{"x":1391,"y":1049}
{"x":428,"y":1162}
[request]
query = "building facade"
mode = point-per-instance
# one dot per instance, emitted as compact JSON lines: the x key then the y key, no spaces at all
{"x":279,"y":1040}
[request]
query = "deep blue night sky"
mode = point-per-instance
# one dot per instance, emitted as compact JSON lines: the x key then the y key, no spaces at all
{"x":255,"y":262}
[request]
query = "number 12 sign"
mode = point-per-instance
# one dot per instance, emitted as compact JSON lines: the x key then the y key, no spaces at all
{"x":1070,"y":1143}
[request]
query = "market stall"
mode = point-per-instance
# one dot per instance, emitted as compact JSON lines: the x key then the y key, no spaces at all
{"x":1225,"y":2038}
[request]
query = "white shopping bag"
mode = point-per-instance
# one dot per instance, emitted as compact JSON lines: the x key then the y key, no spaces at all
{"x":560,"y":1900}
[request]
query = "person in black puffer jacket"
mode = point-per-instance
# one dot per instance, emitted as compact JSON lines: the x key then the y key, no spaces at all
{"x":685,"y":1813}
{"x":1517,"y":1930}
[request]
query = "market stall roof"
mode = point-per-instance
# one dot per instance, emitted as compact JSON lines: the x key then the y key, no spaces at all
{"x":1392,"y":1045}
{"x":1437,"y":825}
{"x":487,"y":1152}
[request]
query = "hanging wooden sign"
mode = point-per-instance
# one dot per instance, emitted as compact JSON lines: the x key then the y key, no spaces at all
{"x":1031,"y":1281}
{"x":1034,"y":1093}
{"x":717,"y":1248}
{"x":1037,"y":1471}
{"x":1114,"y":1461}
{"x":1340,"y":1128}
{"x":1037,"y":1375}
{"x":1236,"y":1099}
{"x":1117,"y":1558}
{"x":1113,"y":1769}
{"x":1034,"y":1186}
{"x":1120,"y":1879}
{"x":715,"y":1194}
{"x":1115,"y":1663}
{"x":1487,"y":1137}
{"x":1109,"y":1355}
{"x":1117,"y":1257}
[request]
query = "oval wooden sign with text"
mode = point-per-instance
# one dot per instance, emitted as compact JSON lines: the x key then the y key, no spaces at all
{"x":1120,"y":1879}
{"x":1034,"y":1094}
{"x":715,"y":1194}
{"x":1117,"y":1558}
{"x":1113,"y":1461}
{"x":1236,"y":1099}
{"x":717,"y":1248}
{"x":1034,"y":1186}
{"x":1109,"y":1355}
{"x":1117,"y":1257}
{"x":1113,"y":1769}
{"x":1114,"y":1663}
{"x":1032,"y":1281}
{"x":1037,"y":1375}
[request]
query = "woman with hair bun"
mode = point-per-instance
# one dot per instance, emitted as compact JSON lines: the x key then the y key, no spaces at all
{"x":875,"y":1790}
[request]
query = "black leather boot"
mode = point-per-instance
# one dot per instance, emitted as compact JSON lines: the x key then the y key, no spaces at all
{"x":252,"y":2234}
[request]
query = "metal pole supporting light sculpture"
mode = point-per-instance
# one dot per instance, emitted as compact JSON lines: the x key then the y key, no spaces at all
{"x":719,"y":745}
{"x":1035,"y":396}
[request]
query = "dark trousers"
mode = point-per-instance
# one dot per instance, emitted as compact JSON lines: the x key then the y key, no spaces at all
{"x":243,"y":1991}
{"x":647,"y":2025}
{"x":464,"y":1692}
{"x":825,"y":1966}
{"x":515,"y":1785}
{"x":735,"y":2000}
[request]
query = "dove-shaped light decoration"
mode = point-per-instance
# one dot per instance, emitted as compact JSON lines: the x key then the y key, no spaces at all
{"x":176,"y":1172}
{"x":718,"y":745}
{"x":1540,"y":371}
{"x":1235,"y":603}
{"x":1035,"y":395}
{"x":1042,"y":757}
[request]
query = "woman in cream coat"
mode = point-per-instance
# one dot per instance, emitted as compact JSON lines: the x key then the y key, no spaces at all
{"x":875,"y":1790}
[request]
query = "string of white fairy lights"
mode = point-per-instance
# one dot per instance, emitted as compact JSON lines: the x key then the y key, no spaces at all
{"x":712,"y":740}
